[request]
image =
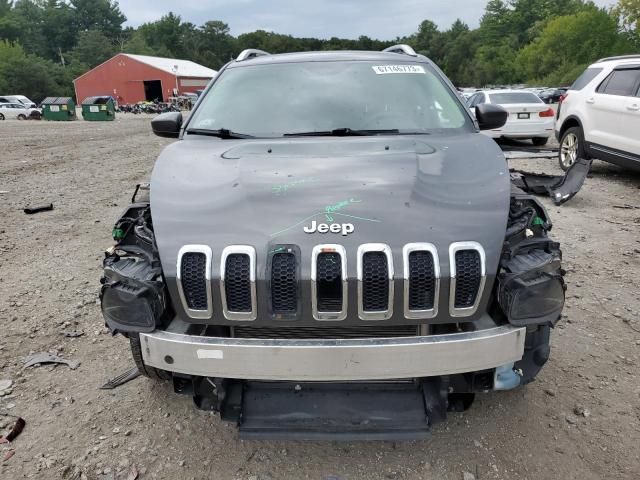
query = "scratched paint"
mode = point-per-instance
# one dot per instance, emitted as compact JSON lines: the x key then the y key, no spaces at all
{"x":331,"y":209}
{"x":283,"y":188}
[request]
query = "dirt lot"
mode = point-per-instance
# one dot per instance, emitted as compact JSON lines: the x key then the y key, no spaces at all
{"x":580,"y":420}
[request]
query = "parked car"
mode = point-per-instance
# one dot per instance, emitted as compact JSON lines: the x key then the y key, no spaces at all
{"x":18,"y":99}
{"x":599,"y":116}
{"x":529,"y":117}
{"x":335,"y":251}
{"x":552,"y":95}
{"x":18,"y":110}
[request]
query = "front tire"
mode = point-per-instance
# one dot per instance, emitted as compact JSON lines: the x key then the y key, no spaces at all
{"x":147,"y":371}
{"x":1,"y":117}
{"x":540,"y":141}
{"x":22,"y":117}
{"x":571,"y":147}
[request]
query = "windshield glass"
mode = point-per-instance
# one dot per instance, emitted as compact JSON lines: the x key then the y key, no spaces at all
{"x":514,"y":97}
{"x":280,"y":99}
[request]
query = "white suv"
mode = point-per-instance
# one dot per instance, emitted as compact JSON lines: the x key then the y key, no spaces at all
{"x":599,"y":116}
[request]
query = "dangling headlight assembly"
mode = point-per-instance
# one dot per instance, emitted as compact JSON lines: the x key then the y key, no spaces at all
{"x":132,"y":295}
{"x":531,"y":290}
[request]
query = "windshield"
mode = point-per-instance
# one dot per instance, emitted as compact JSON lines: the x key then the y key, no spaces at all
{"x":284,"y":99}
{"x":514,"y":97}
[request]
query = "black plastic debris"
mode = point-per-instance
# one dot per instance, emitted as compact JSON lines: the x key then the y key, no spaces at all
{"x":560,"y":188}
{"x":41,"y":208}
{"x":121,"y":379}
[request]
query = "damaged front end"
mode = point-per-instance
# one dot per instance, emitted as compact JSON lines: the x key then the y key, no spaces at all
{"x":133,"y":294}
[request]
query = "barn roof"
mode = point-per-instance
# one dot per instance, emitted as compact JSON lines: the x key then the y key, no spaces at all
{"x":186,"y":68}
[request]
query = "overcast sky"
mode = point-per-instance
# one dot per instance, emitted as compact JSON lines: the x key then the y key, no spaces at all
{"x":381,"y":19}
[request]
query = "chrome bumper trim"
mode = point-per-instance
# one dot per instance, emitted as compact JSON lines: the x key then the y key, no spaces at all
{"x":333,"y":360}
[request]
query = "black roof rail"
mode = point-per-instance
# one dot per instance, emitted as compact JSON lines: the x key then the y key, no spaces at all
{"x":402,"y":49}
{"x":619,"y":57}
{"x":250,"y":53}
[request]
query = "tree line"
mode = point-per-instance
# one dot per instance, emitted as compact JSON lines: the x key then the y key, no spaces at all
{"x":45,"y":44}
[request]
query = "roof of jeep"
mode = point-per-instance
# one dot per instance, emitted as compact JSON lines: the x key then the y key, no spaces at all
{"x":329,"y":56}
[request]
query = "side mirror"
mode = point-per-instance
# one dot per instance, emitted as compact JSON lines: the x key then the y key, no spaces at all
{"x":167,"y":125}
{"x":491,"y":116}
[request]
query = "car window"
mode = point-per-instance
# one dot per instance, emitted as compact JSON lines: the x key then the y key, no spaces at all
{"x":585,"y":79}
{"x":277,"y":99}
{"x":514,"y":97}
{"x":620,"y":82}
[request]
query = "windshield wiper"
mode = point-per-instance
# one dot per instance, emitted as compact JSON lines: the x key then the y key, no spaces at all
{"x":343,"y":132}
{"x":220,"y":133}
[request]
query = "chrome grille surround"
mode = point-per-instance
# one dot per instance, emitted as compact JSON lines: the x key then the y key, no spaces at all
{"x":453,"y":249}
{"x":386,"y":250}
{"x":328,"y":316}
{"x":206,"y":251}
{"x":251,"y":253}
{"x":407,"y":250}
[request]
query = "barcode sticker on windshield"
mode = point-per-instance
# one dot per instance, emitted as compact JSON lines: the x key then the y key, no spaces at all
{"x":388,"y":69}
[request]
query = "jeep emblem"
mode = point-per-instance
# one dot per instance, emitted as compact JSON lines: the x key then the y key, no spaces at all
{"x":343,"y":228}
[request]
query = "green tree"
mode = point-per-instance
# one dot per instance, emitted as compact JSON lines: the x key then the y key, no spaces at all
{"x":93,"y":48}
{"x":568,"y":44}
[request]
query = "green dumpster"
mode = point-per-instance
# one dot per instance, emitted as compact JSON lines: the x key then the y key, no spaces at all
{"x":98,"y":109}
{"x":58,"y":109}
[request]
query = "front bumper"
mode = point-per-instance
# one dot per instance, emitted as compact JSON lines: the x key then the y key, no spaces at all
{"x":334,"y":360}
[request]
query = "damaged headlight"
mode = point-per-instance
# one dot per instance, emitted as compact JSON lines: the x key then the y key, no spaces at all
{"x":132,"y":295}
{"x":531,"y":289}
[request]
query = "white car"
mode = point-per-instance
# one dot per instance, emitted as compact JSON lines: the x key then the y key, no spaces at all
{"x":529,"y":117}
{"x":599,"y":116}
{"x":17,"y":110}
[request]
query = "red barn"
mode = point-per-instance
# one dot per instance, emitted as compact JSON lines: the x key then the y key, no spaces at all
{"x":136,"y":78}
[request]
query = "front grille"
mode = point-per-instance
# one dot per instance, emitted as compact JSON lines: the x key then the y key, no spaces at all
{"x":468,"y":278}
{"x":375,"y":282}
{"x":329,"y":282}
{"x":326,"y":332}
{"x":193,"y":276}
{"x":238,"y":283}
{"x":422,"y":281}
{"x":284,"y":283}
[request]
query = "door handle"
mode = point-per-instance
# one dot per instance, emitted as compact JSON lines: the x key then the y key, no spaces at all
{"x":634,"y":108}
{"x":591,"y":100}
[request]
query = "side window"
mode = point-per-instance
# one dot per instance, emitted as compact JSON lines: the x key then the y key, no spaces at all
{"x":621,"y":82}
{"x":482,"y":98}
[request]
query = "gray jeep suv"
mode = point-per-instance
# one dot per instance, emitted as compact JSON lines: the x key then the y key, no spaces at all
{"x":331,"y":249}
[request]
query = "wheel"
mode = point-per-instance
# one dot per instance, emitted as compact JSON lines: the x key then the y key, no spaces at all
{"x":1,"y":117}
{"x":22,"y":117}
{"x":147,"y":371}
{"x":571,"y":147}
{"x":540,"y":141}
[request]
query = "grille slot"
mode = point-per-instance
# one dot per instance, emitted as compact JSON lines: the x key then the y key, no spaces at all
{"x":194,"y":280}
{"x":375,"y":282}
{"x":329,"y":282}
{"x":327,"y":332}
{"x":422,"y":281}
{"x":284,"y":283}
{"x":238,"y":285}
{"x":467,"y":277}
{"x":329,"y":285}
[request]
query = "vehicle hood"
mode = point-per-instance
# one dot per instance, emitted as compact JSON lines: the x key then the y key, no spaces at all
{"x":393,"y":190}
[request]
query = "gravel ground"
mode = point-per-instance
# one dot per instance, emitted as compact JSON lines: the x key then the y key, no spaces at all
{"x":580,"y":420}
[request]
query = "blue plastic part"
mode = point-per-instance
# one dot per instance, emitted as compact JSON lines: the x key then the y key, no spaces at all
{"x":506,"y":378}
